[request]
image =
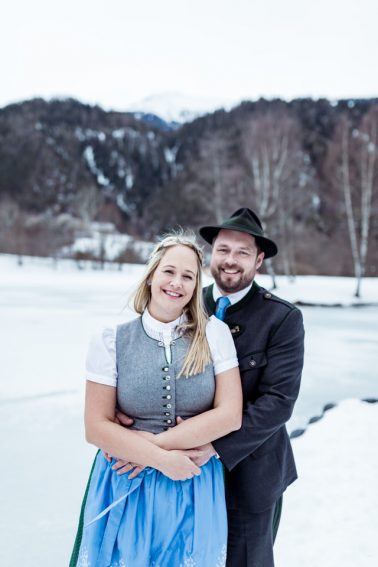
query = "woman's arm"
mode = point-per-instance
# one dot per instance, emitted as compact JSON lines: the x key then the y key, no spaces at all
{"x":101,"y":431}
{"x":226,"y":416}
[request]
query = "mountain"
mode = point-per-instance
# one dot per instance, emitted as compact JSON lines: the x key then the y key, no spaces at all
{"x":155,"y":121}
{"x":176,"y":108}
{"x":64,"y":164}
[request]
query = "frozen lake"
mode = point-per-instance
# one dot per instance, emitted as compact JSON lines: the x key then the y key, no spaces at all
{"x":341,"y":359}
{"x":47,"y":317}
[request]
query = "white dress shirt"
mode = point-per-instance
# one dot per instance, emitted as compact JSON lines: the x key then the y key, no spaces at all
{"x":101,"y":358}
{"x":233,"y":297}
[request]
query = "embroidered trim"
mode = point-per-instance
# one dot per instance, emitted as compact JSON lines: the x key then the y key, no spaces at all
{"x":188,"y":562}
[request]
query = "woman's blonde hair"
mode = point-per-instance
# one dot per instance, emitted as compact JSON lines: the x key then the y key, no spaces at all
{"x":198,"y":354}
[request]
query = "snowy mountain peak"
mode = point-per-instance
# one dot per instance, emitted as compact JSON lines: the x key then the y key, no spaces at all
{"x":177,"y":107}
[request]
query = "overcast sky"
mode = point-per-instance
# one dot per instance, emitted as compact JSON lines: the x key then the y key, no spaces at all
{"x":120,"y":51}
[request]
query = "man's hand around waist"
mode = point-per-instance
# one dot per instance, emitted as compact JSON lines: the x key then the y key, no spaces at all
{"x":199,"y":455}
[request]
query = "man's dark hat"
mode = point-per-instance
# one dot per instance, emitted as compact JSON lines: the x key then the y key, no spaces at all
{"x":242,"y":220}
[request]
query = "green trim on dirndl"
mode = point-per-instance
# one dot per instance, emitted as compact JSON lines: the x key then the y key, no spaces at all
{"x":79,"y":533}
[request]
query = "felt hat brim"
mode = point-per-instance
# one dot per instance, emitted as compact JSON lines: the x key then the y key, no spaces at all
{"x":243,"y":220}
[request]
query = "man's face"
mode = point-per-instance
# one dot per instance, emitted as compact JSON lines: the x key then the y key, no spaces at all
{"x":234,"y":260}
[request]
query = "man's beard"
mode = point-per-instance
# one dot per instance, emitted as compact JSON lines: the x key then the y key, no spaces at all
{"x":229,"y":284}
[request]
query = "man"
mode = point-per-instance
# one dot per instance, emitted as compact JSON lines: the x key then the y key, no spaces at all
{"x":268,"y":334}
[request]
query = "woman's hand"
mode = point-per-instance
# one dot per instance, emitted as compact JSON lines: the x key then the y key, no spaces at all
{"x":178,"y":466}
{"x":122,"y":467}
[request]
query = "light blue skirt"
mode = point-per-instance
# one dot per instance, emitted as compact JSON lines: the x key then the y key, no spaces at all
{"x":152,"y":521}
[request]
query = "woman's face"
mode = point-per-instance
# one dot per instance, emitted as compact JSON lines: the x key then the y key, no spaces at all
{"x":173,"y":283}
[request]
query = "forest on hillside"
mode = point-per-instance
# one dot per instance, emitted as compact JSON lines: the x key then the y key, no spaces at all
{"x":309,"y":168}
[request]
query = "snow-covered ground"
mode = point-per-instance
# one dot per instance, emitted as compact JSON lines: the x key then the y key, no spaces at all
{"x":47,"y":316}
{"x":330,"y":515}
{"x":103,"y":241}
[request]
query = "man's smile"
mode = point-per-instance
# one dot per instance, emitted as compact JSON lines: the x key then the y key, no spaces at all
{"x":229,"y":271}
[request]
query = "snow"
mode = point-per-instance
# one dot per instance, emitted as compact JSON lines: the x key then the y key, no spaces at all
{"x":330,"y":515}
{"x":49,"y":311}
{"x":118,"y":134}
{"x":89,"y":157}
{"x":89,"y":134}
{"x":121,"y":203}
{"x":170,"y":154}
{"x":177,"y":107}
{"x":104,"y":242}
{"x":323,"y":290}
{"x":129,"y":180}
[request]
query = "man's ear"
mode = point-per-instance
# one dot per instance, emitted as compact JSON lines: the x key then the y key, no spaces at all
{"x":260,"y":258}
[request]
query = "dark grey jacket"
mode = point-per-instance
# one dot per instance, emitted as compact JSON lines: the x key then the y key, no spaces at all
{"x":268,"y":334}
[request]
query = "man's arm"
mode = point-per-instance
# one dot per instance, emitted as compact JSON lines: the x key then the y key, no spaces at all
{"x":278,"y":389}
{"x":225,"y":416}
{"x":101,"y":431}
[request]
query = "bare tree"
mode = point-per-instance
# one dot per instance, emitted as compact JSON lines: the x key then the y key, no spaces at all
{"x":220,"y":173}
{"x":277,"y":175}
{"x":354,"y":153}
{"x":12,"y":233}
{"x":87,"y":202}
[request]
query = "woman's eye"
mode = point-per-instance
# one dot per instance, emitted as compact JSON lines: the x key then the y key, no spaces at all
{"x":168,"y":271}
{"x":188,"y":277}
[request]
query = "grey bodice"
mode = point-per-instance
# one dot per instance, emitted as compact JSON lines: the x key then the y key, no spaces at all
{"x":148,"y":389}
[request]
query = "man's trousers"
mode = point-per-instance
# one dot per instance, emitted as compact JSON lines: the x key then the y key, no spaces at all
{"x":251,"y":537}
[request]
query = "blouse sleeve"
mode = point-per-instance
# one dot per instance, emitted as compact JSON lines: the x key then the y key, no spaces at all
{"x":100,"y":364}
{"x":222,"y":347}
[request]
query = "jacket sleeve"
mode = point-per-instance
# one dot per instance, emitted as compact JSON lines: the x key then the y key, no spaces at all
{"x":278,"y":391}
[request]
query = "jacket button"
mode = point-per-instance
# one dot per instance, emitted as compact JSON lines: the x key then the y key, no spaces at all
{"x":169,"y":421}
{"x":169,"y":406}
{"x":169,"y":397}
{"x":168,"y":387}
{"x":267,"y":295}
{"x":252,"y":363}
{"x":165,"y":368}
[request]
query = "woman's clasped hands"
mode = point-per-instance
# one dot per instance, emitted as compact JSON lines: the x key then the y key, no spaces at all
{"x":176,"y":464}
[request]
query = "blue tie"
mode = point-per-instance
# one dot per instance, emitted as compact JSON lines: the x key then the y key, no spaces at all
{"x":222,"y":304}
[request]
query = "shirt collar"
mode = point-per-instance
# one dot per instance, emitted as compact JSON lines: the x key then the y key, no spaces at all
{"x":233,"y":297}
{"x":167,"y":329}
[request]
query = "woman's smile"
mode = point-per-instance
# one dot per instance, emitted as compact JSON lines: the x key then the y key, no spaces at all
{"x":172,"y":294}
{"x":173,"y":283}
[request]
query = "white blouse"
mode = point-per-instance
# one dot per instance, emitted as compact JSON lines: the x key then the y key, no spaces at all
{"x":101,"y":358}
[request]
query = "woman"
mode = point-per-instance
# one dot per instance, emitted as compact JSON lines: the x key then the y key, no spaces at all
{"x":156,"y":368}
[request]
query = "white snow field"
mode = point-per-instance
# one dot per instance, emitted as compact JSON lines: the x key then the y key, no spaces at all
{"x":47,"y":316}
